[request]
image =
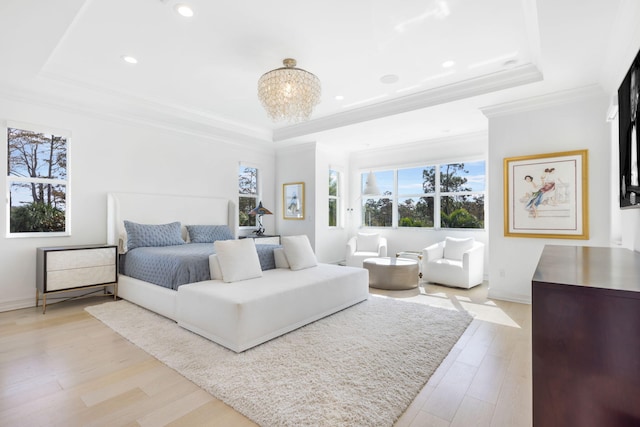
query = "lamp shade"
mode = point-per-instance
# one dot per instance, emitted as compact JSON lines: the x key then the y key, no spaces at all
{"x":371,"y":185}
{"x":260,"y":210}
{"x":289,"y":93}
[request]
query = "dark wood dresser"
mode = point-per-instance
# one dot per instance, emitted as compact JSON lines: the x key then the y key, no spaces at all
{"x":586,"y":337}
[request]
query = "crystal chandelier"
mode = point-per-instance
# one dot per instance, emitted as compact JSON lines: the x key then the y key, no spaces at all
{"x":289,"y":93}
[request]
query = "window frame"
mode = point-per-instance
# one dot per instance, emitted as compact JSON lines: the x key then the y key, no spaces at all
{"x":10,"y":180}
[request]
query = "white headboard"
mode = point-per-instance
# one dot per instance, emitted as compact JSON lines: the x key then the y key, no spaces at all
{"x":163,"y":209}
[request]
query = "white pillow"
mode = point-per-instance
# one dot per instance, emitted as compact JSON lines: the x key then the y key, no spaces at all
{"x":238,"y":259}
{"x":281,"y":258}
{"x":298,"y":251}
{"x":214,"y":267}
{"x":367,"y":242}
{"x":454,"y":248}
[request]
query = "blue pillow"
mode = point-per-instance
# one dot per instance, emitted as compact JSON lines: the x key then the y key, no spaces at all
{"x":151,"y":235}
{"x":208,"y":233}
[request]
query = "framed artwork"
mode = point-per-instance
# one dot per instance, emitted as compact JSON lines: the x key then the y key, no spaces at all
{"x":293,"y":200}
{"x":546,"y":195}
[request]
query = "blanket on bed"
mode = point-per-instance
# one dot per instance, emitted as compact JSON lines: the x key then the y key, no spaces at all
{"x":172,"y":266}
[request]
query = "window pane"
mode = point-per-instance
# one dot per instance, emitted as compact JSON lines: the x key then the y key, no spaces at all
{"x":333,"y":213}
{"x":415,"y":213}
{"x":333,"y":183}
{"x":462,"y":211}
{"x":384,"y":180}
{"x":37,"y":207}
{"x":36,"y":155}
{"x":377,"y":212}
{"x":457,"y":177}
{"x":417,"y":180}
{"x":248,"y":180}
{"x":245,"y":204}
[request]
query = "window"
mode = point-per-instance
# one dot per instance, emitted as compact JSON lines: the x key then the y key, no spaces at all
{"x":377,"y":210}
{"x":37,"y":182}
{"x":416,"y":196}
{"x":462,"y":195}
{"x":334,"y":197}
{"x":440,"y":196}
{"x":248,"y":195}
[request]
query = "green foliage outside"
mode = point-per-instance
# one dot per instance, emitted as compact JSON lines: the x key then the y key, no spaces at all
{"x":36,"y":217}
{"x":456,"y":210}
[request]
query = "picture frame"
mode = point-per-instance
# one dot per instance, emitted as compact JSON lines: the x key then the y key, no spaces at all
{"x":546,"y":195}
{"x":293,"y":200}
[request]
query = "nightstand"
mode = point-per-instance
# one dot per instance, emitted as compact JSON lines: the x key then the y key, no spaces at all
{"x":265,"y":239}
{"x":69,"y":268}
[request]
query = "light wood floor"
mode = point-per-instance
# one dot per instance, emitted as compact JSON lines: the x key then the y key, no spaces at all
{"x":66,"y":368}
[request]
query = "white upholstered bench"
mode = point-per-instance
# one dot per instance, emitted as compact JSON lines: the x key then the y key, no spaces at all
{"x":243,"y":314}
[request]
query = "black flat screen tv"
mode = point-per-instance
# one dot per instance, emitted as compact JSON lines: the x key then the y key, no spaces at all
{"x":629,"y":133}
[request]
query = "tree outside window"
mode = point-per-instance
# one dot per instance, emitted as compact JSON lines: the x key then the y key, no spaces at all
{"x":462,"y":195}
{"x":416,"y":191}
{"x":37,"y":183}
{"x":248,"y":195}
{"x":377,"y":210}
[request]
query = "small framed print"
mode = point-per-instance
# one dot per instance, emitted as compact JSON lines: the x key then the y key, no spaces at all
{"x":293,"y":200}
{"x":546,"y":195}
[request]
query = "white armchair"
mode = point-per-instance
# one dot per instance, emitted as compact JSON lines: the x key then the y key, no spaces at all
{"x":365,"y":246}
{"x":454,"y":262}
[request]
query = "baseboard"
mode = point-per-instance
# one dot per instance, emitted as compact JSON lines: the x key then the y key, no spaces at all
{"x":17,"y":304}
{"x":508,"y":297}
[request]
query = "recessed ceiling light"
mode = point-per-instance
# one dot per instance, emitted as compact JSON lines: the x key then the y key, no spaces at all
{"x":184,"y":10}
{"x":389,"y":79}
{"x":129,"y":59}
{"x":448,"y":64}
{"x":339,"y":97}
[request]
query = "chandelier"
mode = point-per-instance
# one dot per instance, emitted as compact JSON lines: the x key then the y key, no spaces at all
{"x":289,"y":93}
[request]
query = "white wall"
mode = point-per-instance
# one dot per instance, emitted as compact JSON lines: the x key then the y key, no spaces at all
{"x":331,"y":241}
{"x":561,"y":122}
{"x":454,"y":149}
{"x":297,"y":164}
{"x":108,"y":155}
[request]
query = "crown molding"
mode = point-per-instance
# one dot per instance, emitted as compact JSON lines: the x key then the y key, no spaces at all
{"x":153,"y":107}
{"x":543,"y":101}
{"x":151,"y":114}
{"x":505,"y":79}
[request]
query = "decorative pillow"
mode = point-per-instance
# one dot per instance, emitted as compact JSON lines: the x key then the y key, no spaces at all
{"x":151,"y":235}
{"x":266,"y":257}
{"x":238,"y":259}
{"x":281,"y":258}
{"x":214,"y":267}
{"x":367,"y":242}
{"x":208,"y":233}
{"x":454,"y":248}
{"x":298,"y":251}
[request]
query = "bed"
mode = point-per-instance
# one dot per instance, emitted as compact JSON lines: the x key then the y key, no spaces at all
{"x":244,"y":303}
{"x":160,"y":209}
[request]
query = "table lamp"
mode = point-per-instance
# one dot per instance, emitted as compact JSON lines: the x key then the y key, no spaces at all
{"x":259,"y":211}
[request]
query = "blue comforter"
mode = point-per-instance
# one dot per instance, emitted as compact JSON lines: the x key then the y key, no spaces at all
{"x":172,"y":266}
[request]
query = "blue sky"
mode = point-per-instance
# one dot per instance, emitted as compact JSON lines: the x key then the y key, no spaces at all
{"x":410,"y":179}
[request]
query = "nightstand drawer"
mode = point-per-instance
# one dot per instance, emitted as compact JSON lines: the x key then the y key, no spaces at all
{"x":67,"y":279}
{"x":80,"y":258}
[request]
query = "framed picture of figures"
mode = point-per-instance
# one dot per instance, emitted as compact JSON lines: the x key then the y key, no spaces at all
{"x":546,"y":195}
{"x":293,"y":200}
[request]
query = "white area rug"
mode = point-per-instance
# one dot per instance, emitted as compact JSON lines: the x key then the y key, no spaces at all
{"x":359,"y":367}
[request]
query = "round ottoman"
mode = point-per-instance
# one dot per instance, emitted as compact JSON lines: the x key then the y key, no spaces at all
{"x":392,"y":273}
